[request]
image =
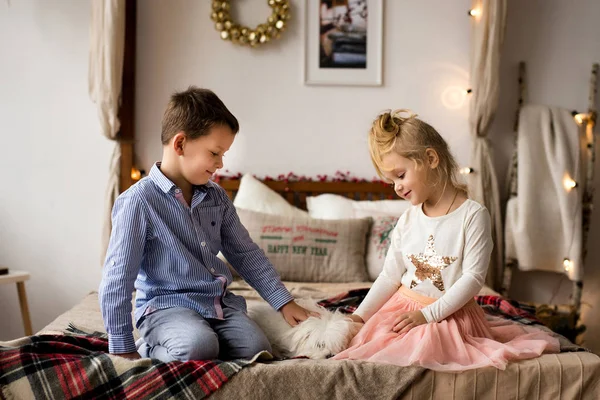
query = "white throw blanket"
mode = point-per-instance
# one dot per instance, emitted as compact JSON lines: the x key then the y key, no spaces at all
{"x":543,"y":222}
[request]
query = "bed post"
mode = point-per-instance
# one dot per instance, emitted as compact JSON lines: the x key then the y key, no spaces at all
{"x":588,"y":194}
{"x":127,"y":109}
{"x":522,"y":76}
{"x":512,"y":178}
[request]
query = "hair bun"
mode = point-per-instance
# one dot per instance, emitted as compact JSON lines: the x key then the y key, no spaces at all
{"x":391,"y":121}
{"x":401,"y":115}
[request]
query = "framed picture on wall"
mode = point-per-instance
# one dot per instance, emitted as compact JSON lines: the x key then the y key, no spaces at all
{"x":344,"y":42}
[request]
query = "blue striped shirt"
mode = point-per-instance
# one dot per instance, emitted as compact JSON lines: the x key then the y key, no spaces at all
{"x":167,"y":251}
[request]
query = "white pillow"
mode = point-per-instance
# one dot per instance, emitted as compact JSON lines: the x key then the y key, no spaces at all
{"x":333,"y":206}
{"x":254,"y":195}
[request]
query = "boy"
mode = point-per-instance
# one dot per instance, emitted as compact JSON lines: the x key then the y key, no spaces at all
{"x":167,"y":231}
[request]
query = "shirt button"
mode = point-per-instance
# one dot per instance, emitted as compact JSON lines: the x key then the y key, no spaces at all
{"x":114,"y":263}
{"x":212,"y":270}
{"x":203,"y":244}
{"x":177,"y":190}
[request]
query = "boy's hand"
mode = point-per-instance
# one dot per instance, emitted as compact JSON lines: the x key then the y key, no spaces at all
{"x":295,"y":314}
{"x":130,"y":356}
{"x":405,"y":322}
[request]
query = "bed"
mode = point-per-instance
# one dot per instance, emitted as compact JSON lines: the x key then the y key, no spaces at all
{"x":570,"y":374}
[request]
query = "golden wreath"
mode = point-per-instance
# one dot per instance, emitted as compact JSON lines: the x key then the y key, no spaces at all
{"x":240,"y":34}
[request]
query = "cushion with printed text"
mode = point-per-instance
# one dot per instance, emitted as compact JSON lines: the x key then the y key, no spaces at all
{"x":311,"y":250}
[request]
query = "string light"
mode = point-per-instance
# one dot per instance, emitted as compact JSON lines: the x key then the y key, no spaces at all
{"x":466,"y":170}
{"x":569,"y":183}
{"x":568,"y":264}
{"x":136,"y":174}
{"x":475,"y":12}
{"x":453,"y":97}
{"x":580,"y":118}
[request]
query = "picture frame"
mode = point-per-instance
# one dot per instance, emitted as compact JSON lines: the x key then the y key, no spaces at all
{"x":344,"y":42}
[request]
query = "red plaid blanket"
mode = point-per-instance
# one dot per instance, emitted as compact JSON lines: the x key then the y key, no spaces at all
{"x":509,"y":309}
{"x":78,"y":367}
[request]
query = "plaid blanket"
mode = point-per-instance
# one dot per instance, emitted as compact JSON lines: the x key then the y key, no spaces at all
{"x":508,"y":309}
{"x":347,"y":302}
{"x":78,"y":367}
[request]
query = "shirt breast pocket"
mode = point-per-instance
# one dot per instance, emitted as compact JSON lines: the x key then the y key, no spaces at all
{"x":210,"y":221}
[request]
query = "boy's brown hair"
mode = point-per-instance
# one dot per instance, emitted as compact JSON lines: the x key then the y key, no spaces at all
{"x":194,"y":112}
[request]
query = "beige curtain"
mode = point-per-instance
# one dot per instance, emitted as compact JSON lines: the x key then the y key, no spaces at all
{"x":486,"y":40}
{"x":107,"y":43}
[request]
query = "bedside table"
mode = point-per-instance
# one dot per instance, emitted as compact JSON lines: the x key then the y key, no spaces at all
{"x":19,"y":277}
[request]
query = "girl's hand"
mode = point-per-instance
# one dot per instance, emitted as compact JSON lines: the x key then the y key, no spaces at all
{"x":405,"y":322}
{"x":356,"y":318}
{"x":295,"y":314}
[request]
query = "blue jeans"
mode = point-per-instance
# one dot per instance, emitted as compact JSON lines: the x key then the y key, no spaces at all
{"x":180,"y":334}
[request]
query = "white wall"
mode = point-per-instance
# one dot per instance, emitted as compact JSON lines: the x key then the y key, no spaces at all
{"x":559,"y":41}
{"x":53,"y":159}
{"x":285,"y":125}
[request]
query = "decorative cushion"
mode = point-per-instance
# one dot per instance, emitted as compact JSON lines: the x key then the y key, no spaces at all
{"x":333,"y":206}
{"x":385,"y":214}
{"x":310,"y":250}
{"x":379,"y":240}
{"x":256,"y":196}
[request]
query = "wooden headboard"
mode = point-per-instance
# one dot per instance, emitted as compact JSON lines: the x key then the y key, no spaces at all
{"x":296,"y":192}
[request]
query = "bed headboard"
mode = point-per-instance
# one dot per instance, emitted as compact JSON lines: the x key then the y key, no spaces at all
{"x":296,"y":192}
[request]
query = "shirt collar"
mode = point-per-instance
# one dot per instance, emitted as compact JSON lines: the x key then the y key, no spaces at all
{"x":166,"y":185}
{"x":160,"y":179}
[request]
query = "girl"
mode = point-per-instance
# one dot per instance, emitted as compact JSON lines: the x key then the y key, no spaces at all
{"x":420,"y":310}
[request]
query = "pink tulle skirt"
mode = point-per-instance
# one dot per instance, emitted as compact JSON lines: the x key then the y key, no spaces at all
{"x":465,"y":340}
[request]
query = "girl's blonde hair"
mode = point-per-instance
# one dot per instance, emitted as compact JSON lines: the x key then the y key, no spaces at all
{"x":402,"y":132}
